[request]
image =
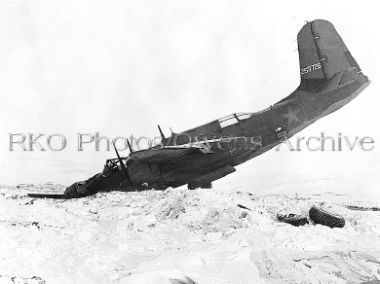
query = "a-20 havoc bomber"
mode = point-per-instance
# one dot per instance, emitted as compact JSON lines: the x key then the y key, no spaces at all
{"x":330,"y":78}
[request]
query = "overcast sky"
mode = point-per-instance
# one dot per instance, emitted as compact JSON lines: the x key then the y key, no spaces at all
{"x":120,"y":68}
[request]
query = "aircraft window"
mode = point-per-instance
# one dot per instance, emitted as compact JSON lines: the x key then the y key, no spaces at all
{"x":233,"y":119}
{"x":228,"y":120}
{"x":228,"y":117}
{"x":243,"y":116}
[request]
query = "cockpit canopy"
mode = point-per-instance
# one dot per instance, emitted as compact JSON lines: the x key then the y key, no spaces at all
{"x":233,"y":118}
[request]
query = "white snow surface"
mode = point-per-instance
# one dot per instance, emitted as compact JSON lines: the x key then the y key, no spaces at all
{"x":182,"y":236}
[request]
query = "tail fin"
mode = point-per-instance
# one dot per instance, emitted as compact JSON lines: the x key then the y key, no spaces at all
{"x":322,"y":55}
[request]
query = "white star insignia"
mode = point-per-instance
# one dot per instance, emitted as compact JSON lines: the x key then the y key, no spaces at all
{"x":291,"y":116}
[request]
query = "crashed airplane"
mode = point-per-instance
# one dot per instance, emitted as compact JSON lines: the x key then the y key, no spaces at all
{"x":330,"y":78}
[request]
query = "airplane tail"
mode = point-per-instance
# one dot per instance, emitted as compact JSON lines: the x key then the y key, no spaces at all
{"x":324,"y":57}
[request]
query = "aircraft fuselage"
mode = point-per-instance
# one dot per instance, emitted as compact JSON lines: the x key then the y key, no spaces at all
{"x":330,"y":78}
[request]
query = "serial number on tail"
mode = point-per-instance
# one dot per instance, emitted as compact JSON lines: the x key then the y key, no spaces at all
{"x":311,"y":68}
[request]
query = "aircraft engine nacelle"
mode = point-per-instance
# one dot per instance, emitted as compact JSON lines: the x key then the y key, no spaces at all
{"x":205,"y":180}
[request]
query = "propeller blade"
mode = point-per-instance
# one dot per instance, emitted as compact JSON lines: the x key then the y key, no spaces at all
{"x":161,"y":133}
{"x":129,"y":146}
{"x":122,"y":165}
{"x":118,"y":157}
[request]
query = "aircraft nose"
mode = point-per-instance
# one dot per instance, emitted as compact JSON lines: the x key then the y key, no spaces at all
{"x":78,"y":189}
{"x":70,"y":191}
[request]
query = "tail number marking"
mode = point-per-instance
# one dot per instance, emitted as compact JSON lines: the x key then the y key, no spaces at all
{"x":311,"y":68}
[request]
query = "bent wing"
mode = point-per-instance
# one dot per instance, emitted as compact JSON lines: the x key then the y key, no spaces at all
{"x":167,"y":153}
{"x":163,"y":153}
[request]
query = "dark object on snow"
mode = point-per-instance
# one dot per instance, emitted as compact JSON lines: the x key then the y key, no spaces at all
{"x":44,"y":195}
{"x":187,"y":280}
{"x":243,"y":207}
{"x":293,"y":219}
{"x":326,"y":218}
{"x":360,"y":208}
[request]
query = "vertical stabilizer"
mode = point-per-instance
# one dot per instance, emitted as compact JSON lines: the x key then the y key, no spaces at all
{"x":322,"y":55}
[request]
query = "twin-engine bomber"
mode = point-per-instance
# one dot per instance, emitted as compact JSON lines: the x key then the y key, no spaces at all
{"x":330,"y":78}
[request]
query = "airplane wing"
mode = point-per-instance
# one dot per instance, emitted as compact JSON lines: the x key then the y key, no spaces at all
{"x":167,"y":153}
{"x":164,"y":153}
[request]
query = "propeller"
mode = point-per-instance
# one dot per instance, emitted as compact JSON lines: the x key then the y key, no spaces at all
{"x":122,"y":165}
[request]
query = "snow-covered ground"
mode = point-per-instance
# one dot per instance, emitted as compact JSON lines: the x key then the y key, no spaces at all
{"x":181,"y":236}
